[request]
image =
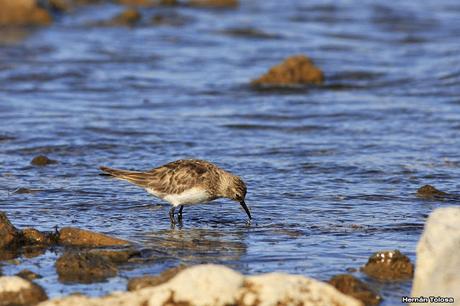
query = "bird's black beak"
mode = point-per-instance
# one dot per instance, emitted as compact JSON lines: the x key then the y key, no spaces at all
{"x":246,"y":209}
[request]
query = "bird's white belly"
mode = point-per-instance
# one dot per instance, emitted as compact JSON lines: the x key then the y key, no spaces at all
{"x":190,"y":196}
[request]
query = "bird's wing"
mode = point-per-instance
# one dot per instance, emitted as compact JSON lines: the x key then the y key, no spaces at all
{"x":178,"y":176}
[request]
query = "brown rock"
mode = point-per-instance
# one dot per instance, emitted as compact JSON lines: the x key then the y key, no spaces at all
{"x":23,"y":190}
{"x":22,"y":12}
{"x":84,"y":267}
{"x":117,"y":256}
{"x":153,"y":280}
{"x":42,"y":160}
{"x":297,"y":69}
{"x":28,"y":275}
{"x":249,"y":33}
{"x":350,"y":285}
{"x":170,"y":19}
{"x":71,"y":236}
{"x":35,"y":237}
{"x":214,"y":3}
{"x":128,"y":17}
{"x":389,"y":266}
{"x":16,"y":291}
{"x":430,"y":193}
{"x":139,"y":2}
{"x":8,"y":233}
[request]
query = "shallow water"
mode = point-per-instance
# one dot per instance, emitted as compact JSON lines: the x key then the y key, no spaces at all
{"x":331,"y":170}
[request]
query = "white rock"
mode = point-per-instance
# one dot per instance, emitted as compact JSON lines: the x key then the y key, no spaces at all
{"x":283,"y":289}
{"x":13,"y":284}
{"x":204,"y":285}
{"x":214,"y":285}
{"x":437,"y":271}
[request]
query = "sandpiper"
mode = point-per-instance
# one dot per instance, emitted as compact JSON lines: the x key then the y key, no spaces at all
{"x":186,"y":182}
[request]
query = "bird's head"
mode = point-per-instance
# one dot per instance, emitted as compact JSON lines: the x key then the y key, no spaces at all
{"x":236,"y":191}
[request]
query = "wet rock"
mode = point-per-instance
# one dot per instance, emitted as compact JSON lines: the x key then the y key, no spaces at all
{"x":430,"y":193}
{"x":389,"y":266}
{"x":22,"y":13}
{"x":350,"y":285}
{"x":139,"y":2}
{"x":32,"y":236}
{"x":117,"y":256}
{"x":22,"y":190}
{"x":16,"y":291}
{"x":214,"y":3}
{"x":28,"y":275}
{"x":128,"y":17}
{"x":438,"y":257}
{"x":207,"y":285}
{"x":72,"y":236}
{"x":170,"y":19}
{"x":84,"y":267}
{"x":42,"y":160}
{"x":33,"y":251}
{"x":294,"y":70}
{"x":8,"y":233}
{"x":249,"y":33}
{"x":153,"y":280}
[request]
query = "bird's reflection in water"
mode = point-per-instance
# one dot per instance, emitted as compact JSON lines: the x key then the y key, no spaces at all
{"x":195,"y":246}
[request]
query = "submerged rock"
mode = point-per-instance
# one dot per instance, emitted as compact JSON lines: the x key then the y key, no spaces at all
{"x":8,"y":233}
{"x":71,"y":236}
{"x":430,"y":193}
{"x":28,"y":275}
{"x":249,"y":33}
{"x":294,"y":70}
{"x":214,"y":3}
{"x":128,"y":17}
{"x":16,"y":291}
{"x":389,"y":266}
{"x":84,"y":267}
{"x":153,"y":280}
{"x":117,"y":256}
{"x":350,"y":285}
{"x":23,"y":190}
{"x":438,"y":257}
{"x":23,"y":13}
{"x":213,"y":285}
{"x":42,"y":160}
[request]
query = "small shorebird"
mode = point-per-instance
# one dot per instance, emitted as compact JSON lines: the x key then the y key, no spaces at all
{"x":186,"y":182}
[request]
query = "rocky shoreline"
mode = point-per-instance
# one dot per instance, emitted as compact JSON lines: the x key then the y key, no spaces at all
{"x":89,"y":257}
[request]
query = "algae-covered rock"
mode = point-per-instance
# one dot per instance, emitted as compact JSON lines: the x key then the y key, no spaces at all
{"x":294,"y":70}
{"x":350,"y":285}
{"x":389,"y":266}
{"x":72,"y":236}
{"x":35,"y":237}
{"x":42,"y":160}
{"x":430,"y":193}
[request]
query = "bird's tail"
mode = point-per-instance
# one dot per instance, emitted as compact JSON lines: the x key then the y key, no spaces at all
{"x":135,"y":177}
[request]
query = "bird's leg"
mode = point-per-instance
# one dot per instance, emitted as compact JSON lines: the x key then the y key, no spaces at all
{"x":171,"y":215}
{"x":179,"y":215}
